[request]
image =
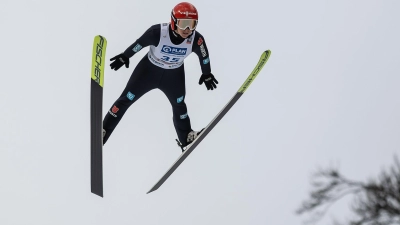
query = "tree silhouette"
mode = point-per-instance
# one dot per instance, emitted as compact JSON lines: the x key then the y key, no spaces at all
{"x":377,"y":201}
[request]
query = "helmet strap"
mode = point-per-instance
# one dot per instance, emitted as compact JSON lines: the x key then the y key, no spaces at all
{"x":175,"y":33}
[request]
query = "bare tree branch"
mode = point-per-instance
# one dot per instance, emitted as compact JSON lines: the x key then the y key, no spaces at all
{"x":377,"y":202}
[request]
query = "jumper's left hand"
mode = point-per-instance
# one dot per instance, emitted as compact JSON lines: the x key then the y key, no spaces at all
{"x":209,"y":80}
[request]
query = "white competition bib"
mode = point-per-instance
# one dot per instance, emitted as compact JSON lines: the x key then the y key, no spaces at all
{"x":167,"y":55}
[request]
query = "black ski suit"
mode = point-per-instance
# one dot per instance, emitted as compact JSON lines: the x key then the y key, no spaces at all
{"x":147,"y":76}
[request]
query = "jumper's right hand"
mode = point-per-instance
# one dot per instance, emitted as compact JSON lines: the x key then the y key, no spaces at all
{"x":119,"y":60}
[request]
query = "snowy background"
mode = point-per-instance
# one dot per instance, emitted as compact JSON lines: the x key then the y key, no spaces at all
{"x":329,"y":95}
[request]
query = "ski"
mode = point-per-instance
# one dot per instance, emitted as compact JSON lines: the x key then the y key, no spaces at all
{"x":96,"y":106}
{"x":263,"y":59}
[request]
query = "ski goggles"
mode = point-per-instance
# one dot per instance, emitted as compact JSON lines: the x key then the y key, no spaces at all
{"x":186,"y":23}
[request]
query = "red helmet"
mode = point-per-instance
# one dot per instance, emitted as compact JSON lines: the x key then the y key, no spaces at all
{"x":184,"y":15}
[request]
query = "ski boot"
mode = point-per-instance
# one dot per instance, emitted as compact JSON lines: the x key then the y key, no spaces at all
{"x":190,"y":138}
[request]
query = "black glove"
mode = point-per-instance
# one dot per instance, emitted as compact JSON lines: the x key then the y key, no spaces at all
{"x":209,"y":81}
{"x":120,"y":60}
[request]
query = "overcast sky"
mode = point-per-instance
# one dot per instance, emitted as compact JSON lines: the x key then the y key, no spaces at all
{"x":329,"y":95}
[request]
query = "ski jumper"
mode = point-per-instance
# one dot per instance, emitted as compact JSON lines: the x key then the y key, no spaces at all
{"x":162,"y":68}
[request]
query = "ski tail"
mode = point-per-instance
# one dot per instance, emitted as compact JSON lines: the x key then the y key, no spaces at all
{"x":263,"y":59}
{"x":96,"y":106}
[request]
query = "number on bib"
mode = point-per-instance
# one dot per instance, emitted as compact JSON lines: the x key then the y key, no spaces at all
{"x":168,"y":59}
